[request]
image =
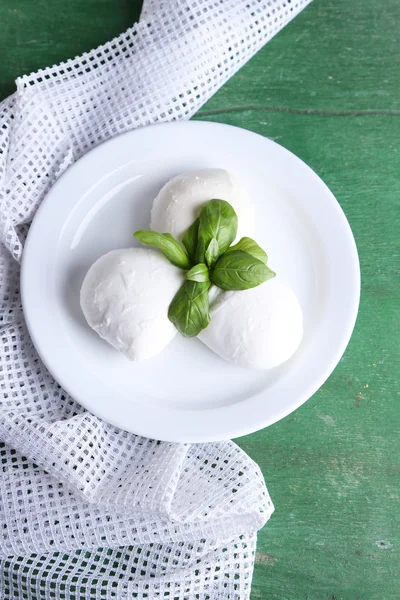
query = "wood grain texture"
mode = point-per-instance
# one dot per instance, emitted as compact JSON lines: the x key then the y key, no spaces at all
{"x":327,"y":88}
{"x":39,"y":33}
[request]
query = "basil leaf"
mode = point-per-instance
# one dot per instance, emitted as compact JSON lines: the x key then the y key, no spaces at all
{"x":189,"y":240}
{"x":200,"y":251}
{"x":238,"y":270}
{"x":167,"y":244}
{"x":189,"y":310}
{"x":251,"y":247}
{"x":212,"y":252}
{"x":198,"y":273}
{"x":218,"y":220}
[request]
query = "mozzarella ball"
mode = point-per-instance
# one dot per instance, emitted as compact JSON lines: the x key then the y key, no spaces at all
{"x":259,"y":328}
{"x":125,"y":298}
{"x":179,"y":202}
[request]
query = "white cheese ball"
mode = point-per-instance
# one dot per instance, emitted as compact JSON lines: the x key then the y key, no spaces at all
{"x":179,"y":202}
{"x":259,"y":328}
{"x":125,"y":298}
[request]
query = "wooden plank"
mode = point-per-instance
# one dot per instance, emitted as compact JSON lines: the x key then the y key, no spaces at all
{"x":335,"y":55}
{"x":37,"y":34}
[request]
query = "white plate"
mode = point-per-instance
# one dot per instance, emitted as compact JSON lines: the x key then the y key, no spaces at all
{"x":187,"y":393}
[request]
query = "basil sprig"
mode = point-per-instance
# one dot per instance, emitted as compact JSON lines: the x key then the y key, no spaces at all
{"x":208,"y":257}
{"x":189,"y":311}
{"x":199,"y":273}
{"x":218,"y":225}
{"x":212,"y":252}
{"x":189,"y":240}
{"x":251,"y":247}
{"x":167,"y":244}
{"x":239,"y":270}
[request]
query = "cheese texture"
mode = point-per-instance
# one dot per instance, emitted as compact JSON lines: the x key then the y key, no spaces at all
{"x":125,"y":298}
{"x":179,"y":202}
{"x":259,"y":328}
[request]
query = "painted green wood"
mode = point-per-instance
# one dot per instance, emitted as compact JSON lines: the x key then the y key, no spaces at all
{"x":327,"y":88}
{"x":38,"y":33}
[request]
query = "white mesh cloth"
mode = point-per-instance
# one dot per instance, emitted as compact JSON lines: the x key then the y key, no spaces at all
{"x":88,"y":511}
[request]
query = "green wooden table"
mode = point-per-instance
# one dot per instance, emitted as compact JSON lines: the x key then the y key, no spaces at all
{"x":328,"y":88}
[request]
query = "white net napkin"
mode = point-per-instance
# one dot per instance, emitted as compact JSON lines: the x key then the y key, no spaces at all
{"x":88,"y":511}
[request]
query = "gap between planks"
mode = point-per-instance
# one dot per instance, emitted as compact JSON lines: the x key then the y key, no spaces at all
{"x":300,"y":111}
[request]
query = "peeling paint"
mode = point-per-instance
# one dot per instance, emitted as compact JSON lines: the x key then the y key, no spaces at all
{"x":384,"y":544}
{"x":327,"y":419}
{"x":265,"y":559}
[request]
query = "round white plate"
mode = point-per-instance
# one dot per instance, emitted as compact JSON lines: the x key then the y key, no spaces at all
{"x":187,"y":393}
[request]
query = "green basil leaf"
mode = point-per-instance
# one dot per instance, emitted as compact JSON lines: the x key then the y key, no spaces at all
{"x":189,"y":310}
{"x":238,"y":270}
{"x":251,"y":247}
{"x":167,"y":244}
{"x":212,"y":252}
{"x":189,"y":240}
{"x":200,"y":251}
{"x":218,"y":220}
{"x":198,"y":273}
